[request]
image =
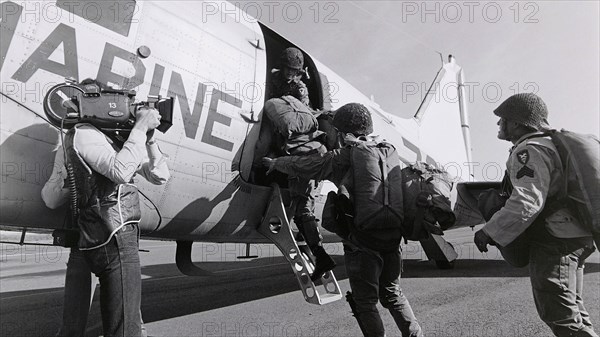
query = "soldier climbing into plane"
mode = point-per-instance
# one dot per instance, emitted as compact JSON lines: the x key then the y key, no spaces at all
{"x":291,"y":128}
{"x":290,"y":73}
{"x":369,"y":172}
{"x":296,"y":132}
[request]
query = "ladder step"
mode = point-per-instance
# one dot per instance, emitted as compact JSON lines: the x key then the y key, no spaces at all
{"x":299,"y":257}
{"x":328,"y":298}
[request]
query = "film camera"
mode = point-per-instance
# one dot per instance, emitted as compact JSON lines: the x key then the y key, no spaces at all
{"x":110,"y":110}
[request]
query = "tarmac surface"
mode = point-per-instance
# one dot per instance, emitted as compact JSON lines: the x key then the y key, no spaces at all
{"x":481,"y":296}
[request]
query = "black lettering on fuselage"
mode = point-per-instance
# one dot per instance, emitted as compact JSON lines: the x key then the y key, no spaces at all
{"x":10,"y":13}
{"x":190,"y":120}
{"x":215,"y":117}
{"x":115,"y":15}
{"x":64,"y":35}
{"x":157,"y":77}
{"x":106,"y":75}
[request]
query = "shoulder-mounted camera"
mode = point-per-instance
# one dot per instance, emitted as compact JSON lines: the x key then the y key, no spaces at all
{"x":110,"y":110}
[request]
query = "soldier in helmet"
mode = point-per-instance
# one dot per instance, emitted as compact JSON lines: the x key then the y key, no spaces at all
{"x":373,"y":259}
{"x":291,"y":72}
{"x":295,"y":132}
{"x":536,"y":226}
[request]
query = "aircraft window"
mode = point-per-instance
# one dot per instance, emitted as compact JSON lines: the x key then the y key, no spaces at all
{"x":115,"y":15}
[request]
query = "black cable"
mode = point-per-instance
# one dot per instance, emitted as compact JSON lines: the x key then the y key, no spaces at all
{"x":156,"y":208}
{"x":70,"y":177}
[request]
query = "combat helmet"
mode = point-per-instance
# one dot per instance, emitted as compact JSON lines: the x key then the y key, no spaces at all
{"x":353,"y":118}
{"x":292,"y":58}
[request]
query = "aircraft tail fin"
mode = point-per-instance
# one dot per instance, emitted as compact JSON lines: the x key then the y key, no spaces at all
{"x":443,"y":112}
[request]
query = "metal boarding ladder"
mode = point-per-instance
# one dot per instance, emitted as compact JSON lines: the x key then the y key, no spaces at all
{"x":276,"y":227}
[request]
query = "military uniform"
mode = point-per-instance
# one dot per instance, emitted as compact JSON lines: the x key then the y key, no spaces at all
{"x":280,"y":85}
{"x":557,"y":244}
{"x":373,"y":263}
{"x":283,"y":81}
{"x":374,"y":274}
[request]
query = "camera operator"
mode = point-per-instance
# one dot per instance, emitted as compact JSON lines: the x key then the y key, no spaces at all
{"x":109,"y":211}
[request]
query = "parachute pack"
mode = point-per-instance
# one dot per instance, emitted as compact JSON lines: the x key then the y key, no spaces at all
{"x":414,"y":200}
{"x":376,"y":186}
{"x":580,"y":156}
{"x":427,"y":207}
{"x":296,"y":123}
{"x":368,"y":202}
{"x":290,"y":116}
{"x":580,"y":160}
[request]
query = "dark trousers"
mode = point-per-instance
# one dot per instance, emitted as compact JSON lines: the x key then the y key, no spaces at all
{"x":304,"y":207}
{"x":556,"y":273}
{"x":79,"y":292}
{"x":375,"y":276}
{"x":117,"y":265}
{"x":78,"y":295}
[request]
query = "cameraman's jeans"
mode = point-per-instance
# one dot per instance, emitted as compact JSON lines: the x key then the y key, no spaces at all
{"x":376,"y":276}
{"x":78,"y":295}
{"x":117,"y":265}
{"x":556,"y":273}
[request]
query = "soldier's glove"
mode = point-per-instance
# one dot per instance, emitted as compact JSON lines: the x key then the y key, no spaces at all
{"x":269,"y":163}
{"x":481,"y":240}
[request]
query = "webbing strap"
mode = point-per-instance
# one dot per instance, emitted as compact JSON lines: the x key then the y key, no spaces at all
{"x":384,"y":182}
{"x":564,"y":191}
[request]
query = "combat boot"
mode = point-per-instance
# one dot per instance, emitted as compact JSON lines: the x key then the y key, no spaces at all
{"x":323,"y":263}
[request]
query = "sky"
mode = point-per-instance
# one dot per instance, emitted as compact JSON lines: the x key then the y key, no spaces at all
{"x":382,"y":47}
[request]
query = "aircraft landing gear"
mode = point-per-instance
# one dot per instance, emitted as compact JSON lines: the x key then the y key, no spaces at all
{"x":183,"y":259}
{"x":444,"y":264}
{"x":247,"y":256}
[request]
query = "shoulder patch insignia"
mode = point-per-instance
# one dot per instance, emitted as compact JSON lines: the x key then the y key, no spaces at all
{"x":523,"y":157}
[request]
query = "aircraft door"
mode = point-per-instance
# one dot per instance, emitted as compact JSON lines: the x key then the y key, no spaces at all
{"x":244,"y":158}
{"x":259,"y":138}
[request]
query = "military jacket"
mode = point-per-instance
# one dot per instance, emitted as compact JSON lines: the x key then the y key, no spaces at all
{"x":535,"y":171}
